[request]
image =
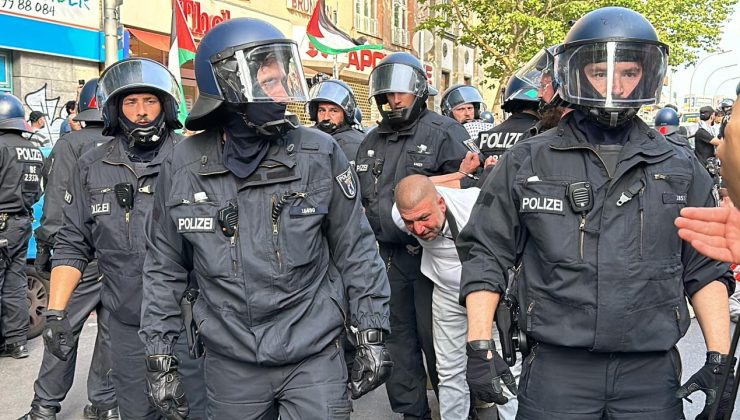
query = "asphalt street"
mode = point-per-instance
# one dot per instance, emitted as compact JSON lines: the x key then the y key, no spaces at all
{"x":17,"y":376}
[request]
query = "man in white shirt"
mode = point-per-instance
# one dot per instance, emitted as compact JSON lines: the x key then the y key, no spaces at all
{"x":434,"y":215}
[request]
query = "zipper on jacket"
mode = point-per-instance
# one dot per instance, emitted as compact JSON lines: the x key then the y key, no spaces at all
{"x":232,"y":249}
{"x":641,"y":202}
{"x":582,"y":228}
{"x":277,"y":206}
{"x":530,"y":308}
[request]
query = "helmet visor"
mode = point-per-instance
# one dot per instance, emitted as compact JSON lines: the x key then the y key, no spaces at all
{"x":138,"y":75}
{"x":265,"y":73}
{"x":335,"y":93}
{"x":612,"y":74}
{"x":464,"y":95}
{"x":396,"y":78}
{"x":538,"y":65}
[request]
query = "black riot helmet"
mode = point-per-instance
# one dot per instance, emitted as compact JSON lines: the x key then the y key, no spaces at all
{"x":726,"y":106}
{"x":487,"y":116}
{"x":133,"y":76}
{"x":87,"y":106}
{"x":519,"y":95}
{"x":12,"y":115}
{"x":457,"y":95}
{"x":667,"y":121}
{"x":245,"y":61}
{"x":540,"y":72}
{"x":400,"y":72}
{"x":332,"y":91}
{"x":610,"y":65}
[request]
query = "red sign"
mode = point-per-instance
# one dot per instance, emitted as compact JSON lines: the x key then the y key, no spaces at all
{"x":369,"y":59}
{"x":202,"y":22}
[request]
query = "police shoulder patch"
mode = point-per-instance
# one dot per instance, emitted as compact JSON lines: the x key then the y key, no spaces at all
{"x":347,"y":183}
{"x":67,"y":197}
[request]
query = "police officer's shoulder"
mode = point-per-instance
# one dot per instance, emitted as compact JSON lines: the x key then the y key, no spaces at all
{"x":314,"y":141}
{"x":192,"y":148}
{"x":438,"y":121}
{"x":94,"y":154}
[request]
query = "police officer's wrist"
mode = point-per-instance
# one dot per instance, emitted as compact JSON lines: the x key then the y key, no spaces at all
{"x":161,"y":363}
{"x":715,"y":357}
{"x":59,"y":314}
{"x":482,"y":345}
{"x":471,"y":176}
{"x":370,"y":336}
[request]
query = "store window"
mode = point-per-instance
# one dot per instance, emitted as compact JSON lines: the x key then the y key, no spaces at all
{"x":6,"y":69}
{"x":400,"y":22}
{"x":366,"y":18}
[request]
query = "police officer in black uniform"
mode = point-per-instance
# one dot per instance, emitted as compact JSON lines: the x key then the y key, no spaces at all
{"x":464,"y":104}
{"x":58,"y":365}
{"x":333,"y":108}
{"x":409,"y":140}
{"x":20,"y":175}
{"x":586,"y":214}
{"x":667,"y":123}
{"x":520,"y":99}
{"x":110,"y":196}
{"x":266,"y":215}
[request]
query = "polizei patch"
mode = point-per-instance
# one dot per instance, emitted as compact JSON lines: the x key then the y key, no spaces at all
{"x":542,"y":205}
{"x":28,"y":154}
{"x":195,"y":224}
{"x":347,"y":183}
{"x":100,"y":208}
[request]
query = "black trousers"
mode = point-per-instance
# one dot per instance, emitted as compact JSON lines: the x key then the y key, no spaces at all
{"x":315,"y":388}
{"x":575,"y":384}
{"x":13,"y":281}
{"x":129,"y":374}
{"x":56,"y":376}
{"x":411,"y":332}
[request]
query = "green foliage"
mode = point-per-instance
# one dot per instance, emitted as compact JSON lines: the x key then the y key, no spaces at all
{"x":510,"y":32}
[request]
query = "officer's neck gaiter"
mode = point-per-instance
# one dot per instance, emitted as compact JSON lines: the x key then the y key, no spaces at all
{"x":142,"y":152}
{"x":244,"y":148}
{"x":598,"y":134}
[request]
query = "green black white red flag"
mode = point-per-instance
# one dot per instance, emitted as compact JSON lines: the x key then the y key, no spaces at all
{"x":327,"y":38}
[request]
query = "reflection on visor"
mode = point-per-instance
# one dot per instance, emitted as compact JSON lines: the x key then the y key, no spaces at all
{"x":136,"y":73}
{"x":330,"y":92}
{"x":268,"y":73}
{"x":463,"y":95}
{"x":534,"y":69}
{"x":395,"y":78}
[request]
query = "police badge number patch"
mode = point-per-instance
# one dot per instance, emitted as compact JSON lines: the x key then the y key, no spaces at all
{"x":347,"y":183}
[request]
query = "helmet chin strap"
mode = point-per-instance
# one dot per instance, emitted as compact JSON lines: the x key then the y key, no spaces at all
{"x":271,"y":128}
{"x":327,"y":126}
{"x":147,"y":135}
{"x":611,"y":117}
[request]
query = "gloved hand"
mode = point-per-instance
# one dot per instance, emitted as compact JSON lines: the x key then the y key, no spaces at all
{"x":372,"y":365}
{"x":58,"y":335}
{"x":707,"y":380}
{"x":164,"y":387}
{"x":43,"y":259}
{"x":486,"y":372}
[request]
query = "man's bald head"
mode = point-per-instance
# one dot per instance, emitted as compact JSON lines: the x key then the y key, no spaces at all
{"x":420,"y":206}
{"x":412,"y":190}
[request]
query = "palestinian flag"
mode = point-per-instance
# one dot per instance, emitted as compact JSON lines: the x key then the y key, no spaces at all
{"x":327,"y":38}
{"x":182,"y":50}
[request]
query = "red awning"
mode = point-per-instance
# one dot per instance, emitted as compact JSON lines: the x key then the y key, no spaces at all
{"x":158,"y":41}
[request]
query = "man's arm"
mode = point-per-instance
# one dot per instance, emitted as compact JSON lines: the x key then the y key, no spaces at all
{"x":468,"y":168}
{"x":64,"y":280}
{"x":481,"y":308}
{"x":713,"y":312}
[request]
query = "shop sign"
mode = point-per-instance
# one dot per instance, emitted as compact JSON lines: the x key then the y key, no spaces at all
{"x":201,"y":21}
{"x":303,"y":6}
{"x":77,"y":13}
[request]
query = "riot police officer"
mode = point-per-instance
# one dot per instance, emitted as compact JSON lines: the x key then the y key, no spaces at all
{"x":57,"y":366}
{"x":520,"y":100}
{"x":266,"y":216}
{"x":667,"y":123}
{"x":21,"y":188}
{"x":464,"y":104}
{"x":726,"y":107}
{"x":334,"y":110}
{"x":585,"y":213}
{"x":410,"y":139}
{"x":540,"y":72}
{"x":110,"y":198}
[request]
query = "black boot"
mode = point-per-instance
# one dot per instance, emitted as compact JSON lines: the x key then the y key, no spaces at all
{"x":40,"y":413}
{"x":111,"y":414}
{"x":94,"y":413}
{"x":15,"y":350}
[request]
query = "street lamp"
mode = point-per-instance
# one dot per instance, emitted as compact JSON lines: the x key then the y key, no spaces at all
{"x":723,"y":82}
{"x":691,"y":82}
{"x":704,"y":91}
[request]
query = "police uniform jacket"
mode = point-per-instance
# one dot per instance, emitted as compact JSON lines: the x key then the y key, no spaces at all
{"x":267,"y":294}
{"x":21,"y":164}
{"x":431,"y":145}
{"x":502,"y":137}
{"x":95,"y":223}
{"x":613,"y":279}
{"x":349,"y":141}
{"x":57,"y":172}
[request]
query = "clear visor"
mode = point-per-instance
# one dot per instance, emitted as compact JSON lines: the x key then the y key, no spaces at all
{"x":612,"y":74}
{"x":538,"y":65}
{"x":331,"y":92}
{"x":136,"y":74}
{"x":266,"y":73}
{"x":396,"y":78}
{"x":464,"y":95}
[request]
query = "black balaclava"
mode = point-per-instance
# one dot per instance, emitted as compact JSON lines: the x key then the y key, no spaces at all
{"x":598,"y":134}
{"x":247,"y":138}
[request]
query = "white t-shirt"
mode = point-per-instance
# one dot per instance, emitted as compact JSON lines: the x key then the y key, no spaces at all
{"x":439,"y":259}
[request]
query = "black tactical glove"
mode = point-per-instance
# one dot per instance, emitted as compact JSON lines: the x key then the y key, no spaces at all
{"x":164,"y":387}
{"x":486,"y":372}
{"x":43,"y":259}
{"x":707,"y":380}
{"x":58,"y":335}
{"x":372,"y":365}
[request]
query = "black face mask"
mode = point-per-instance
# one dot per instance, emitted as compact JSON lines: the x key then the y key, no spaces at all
{"x":327,"y":126}
{"x":147,"y":136}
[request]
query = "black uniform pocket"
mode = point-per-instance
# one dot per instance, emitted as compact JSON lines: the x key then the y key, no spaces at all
{"x":665,"y":195}
{"x":419,"y":162}
{"x":109,"y":229}
{"x":300,"y":225}
{"x":198,"y":224}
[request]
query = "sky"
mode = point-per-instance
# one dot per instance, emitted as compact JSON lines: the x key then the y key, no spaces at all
{"x":708,"y":71}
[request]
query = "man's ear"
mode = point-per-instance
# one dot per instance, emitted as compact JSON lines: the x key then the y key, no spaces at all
{"x":441,"y":203}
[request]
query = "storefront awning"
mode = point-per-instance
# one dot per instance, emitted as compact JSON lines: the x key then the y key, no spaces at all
{"x":154,"y":40}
